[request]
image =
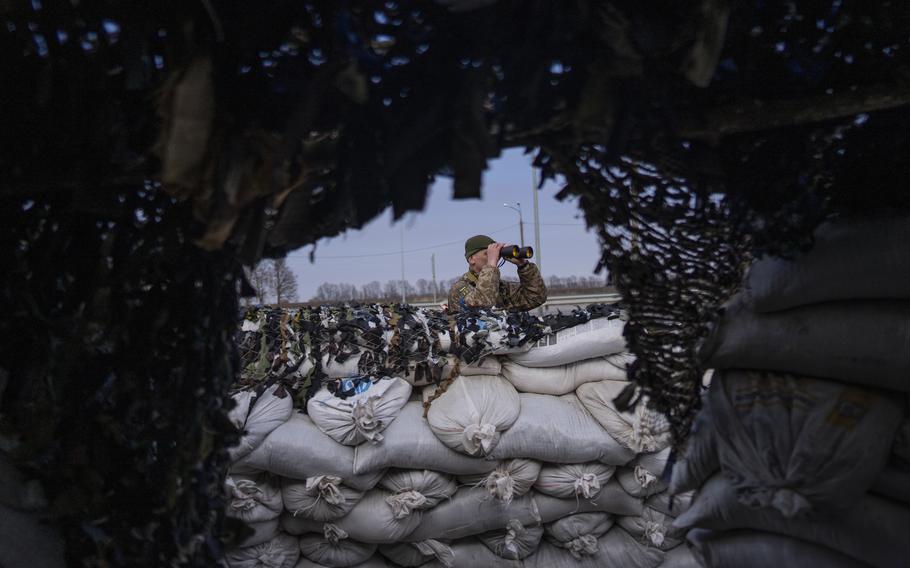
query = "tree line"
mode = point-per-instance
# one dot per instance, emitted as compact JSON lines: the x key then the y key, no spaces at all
{"x":273,"y":281}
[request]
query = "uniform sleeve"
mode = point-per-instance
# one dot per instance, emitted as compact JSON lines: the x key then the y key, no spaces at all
{"x":530,"y":292}
{"x":458,"y":291}
{"x":485,"y":294}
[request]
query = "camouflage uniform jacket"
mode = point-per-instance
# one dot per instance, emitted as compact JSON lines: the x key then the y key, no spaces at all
{"x":487,"y":290}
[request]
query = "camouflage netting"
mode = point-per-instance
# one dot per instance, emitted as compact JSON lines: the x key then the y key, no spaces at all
{"x":694,"y":135}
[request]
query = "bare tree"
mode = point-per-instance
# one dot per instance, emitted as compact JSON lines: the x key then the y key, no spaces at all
{"x":371,"y":291}
{"x":260,"y":276}
{"x":283,"y":281}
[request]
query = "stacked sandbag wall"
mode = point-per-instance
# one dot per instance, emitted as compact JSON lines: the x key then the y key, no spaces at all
{"x":502,"y":461}
{"x":799,"y":455}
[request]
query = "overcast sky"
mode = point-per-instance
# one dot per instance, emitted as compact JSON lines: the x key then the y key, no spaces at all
{"x":566,"y":247}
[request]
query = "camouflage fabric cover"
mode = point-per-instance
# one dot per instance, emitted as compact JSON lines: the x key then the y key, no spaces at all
{"x":487,"y":290}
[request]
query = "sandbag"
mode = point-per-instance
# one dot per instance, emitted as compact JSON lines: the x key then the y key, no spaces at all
{"x":565,"y":481}
{"x":558,"y":430}
{"x":611,"y":499}
{"x":409,"y":554}
{"x":753,"y":549}
{"x":471,"y":553}
{"x":515,"y":542}
{"x":861,"y":342}
{"x":837,"y":439}
{"x":253,"y":499}
{"x":643,"y":477}
{"x":642,"y":429}
{"x":361,"y":417}
{"x":669,"y":503}
{"x":699,"y":459}
{"x":416,"y":489}
{"x":616,"y":548}
{"x":334,"y":549}
{"x":596,"y":338}
{"x":489,"y":365}
{"x":410,"y":444}
{"x":372,"y":520}
{"x":264,"y":414}
{"x":560,"y":380}
{"x":321,"y":497}
{"x":374,"y":561}
{"x":578,"y":533}
{"x":680,"y":557}
{"x":279,"y":552}
{"x":298,"y":449}
{"x":653,"y":528}
{"x":874,"y":530}
{"x":29,"y":538}
{"x":241,"y":400}
{"x":473,"y":412}
{"x":894,"y":483}
{"x":348,"y":368}
{"x":510,"y":479}
{"x":472,"y":511}
{"x":263,"y":531}
{"x":863,"y":258}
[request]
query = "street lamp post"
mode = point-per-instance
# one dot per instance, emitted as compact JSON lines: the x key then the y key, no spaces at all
{"x":521,"y":223}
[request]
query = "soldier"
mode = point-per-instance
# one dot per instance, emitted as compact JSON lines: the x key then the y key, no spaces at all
{"x":480,"y":286}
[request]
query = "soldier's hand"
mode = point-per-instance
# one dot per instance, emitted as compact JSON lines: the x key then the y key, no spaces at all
{"x":493,"y":254}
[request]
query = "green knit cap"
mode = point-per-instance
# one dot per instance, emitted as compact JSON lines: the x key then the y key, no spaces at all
{"x":476,"y":244}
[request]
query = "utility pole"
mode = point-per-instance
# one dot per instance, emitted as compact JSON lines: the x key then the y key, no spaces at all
{"x":404,"y":298}
{"x":521,"y":224}
{"x":536,"y":220}
{"x":433,"y":266}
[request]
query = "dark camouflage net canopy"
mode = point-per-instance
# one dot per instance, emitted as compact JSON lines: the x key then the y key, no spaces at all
{"x":149,"y":150}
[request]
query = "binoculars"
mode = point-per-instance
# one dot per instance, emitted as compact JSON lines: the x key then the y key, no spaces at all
{"x":514,"y":251}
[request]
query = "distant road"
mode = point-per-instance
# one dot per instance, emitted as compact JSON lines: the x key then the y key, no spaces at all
{"x":559,"y":302}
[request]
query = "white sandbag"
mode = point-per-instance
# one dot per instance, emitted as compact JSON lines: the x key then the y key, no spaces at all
{"x":837,"y":439}
{"x":473,"y":412}
{"x":669,"y":503}
{"x":643,"y":477}
{"x":409,"y":554}
{"x":596,"y":338}
{"x":862,"y":258}
{"x":873,"y":531}
{"x":321,"y":497}
{"x":680,"y":557}
{"x":375,"y":519}
{"x":558,"y":430}
{"x":344,"y":370}
{"x":410,"y":444}
{"x":264,"y":414}
{"x":578,"y":533}
{"x":754,"y":549}
{"x":861,"y":342}
{"x":616,"y":548}
{"x":560,"y":380}
{"x":263,"y":531}
{"x":334,"y":549}
{"x":375,"y":561}
{"x":699,"y":459}
{"x":473,"y":511}
{"x":361,"y":417}
{"x":894,"y":483}
{"x":515,"y":542}
{"x":653,"y":528}
{"x":489,"y":365}
{"x":611,"y":499}
{"x":642,"y":429}
{"x":281,"y":551}
{"x":298,"y":449}
{"x":471,"y":553}
{"x":253,"y":499}
{"x":510,"y":479}
{"x":566,"y":481}
{"x":29,"y":538}
{"x":416,"y":489}
{"x":242,"y":400}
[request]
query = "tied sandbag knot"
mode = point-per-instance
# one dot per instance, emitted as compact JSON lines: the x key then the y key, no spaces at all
{"x":364,"y":416}
{"x":587,"y":486}
{"x":247,"y":495}
{"x":501,"y":485}
{"x":582,"y":546}
{"x":325,"y":487}
{"x":478,"y":438}
{"x":333,"y":533}
{"x":514,"y":531}
{"x":789,"y":502}
{"x":644,"y":477}
{"x":270,"y":560}
{"x":654,"y":532}
{"x":442,"y":552}
{"x":403,"y":503}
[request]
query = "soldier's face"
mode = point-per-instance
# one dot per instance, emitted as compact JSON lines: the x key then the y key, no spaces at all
{"x":478,"y":260}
